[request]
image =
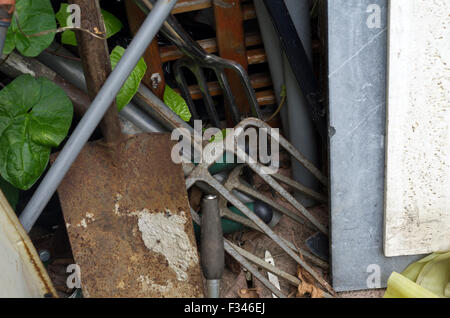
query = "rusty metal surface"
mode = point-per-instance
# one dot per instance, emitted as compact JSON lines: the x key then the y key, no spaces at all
{"x":105,"y":205}
{"x":96,"y":62}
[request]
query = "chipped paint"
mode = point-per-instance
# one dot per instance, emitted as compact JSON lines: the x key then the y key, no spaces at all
{"x":20,"y":65}
{"x":116,"y":198}
{"x":116,"y":204}
{"x":148,"y":285}
{"x":85,"y":221}
{"x":164,"y":233}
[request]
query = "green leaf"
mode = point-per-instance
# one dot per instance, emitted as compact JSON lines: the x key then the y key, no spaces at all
{"x":177,"y":103}
{"x":112,"y":24}
{"x":35,"y":115}
{"x":33,"y":17}
{"x":131,"y":86}
{"x":10,"y":192}
{"x":219,"y":137}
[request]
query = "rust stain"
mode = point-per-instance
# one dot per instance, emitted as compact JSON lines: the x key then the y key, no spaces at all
{"x":38,"y":270}
{"x":110,"y":251}
{"x":45,"y":280}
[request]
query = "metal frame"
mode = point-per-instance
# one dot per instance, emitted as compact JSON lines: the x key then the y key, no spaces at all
{"x":199,"y":57}
{"x":201,"y":174}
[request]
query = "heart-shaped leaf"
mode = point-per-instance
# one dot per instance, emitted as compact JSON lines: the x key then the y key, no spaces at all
{"x":177,"y":103}
{"x":112,"y":25}
{"x":31,"y":18}
{"x":131,"y":86}
{"x":35,"y":115}
{"x":11,"y":193}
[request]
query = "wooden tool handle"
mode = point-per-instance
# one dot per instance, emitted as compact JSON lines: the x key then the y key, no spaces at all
{"x":211,"y":246}
{"x":96,"y":62}
{"x":7,"y":8}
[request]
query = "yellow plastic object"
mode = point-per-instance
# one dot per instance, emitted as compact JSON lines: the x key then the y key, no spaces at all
{"x":401,"y":287}
{"x":427,"y":278}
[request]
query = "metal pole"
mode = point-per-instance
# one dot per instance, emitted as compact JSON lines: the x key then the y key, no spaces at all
{"x":72,"y":71}
{"x":96,"y":111}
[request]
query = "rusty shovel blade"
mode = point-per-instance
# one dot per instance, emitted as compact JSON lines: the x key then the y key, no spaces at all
{"x":129,"y":222}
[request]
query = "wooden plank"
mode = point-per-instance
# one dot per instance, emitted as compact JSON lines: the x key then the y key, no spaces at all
{"x":256,"y":56}
{"x":249,"y":11}
{"x":259,"y":80}
{"x":194,"y":5}
{"x":191,"y":5}
{"x":417,"y":207}
{"x":230,"y":41}
{"x":22,"y":273}
{"x":171,"y":52}
{"x":154,"y":77}
{"x":266,"y":97}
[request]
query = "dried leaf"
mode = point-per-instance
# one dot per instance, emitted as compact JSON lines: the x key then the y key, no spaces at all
{"x":249,"y":293}
{"x":307,"y":286}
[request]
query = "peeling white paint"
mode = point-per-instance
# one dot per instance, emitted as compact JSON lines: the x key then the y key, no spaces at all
{"x":82,"y":223}
{"x":148,"y":285}
{"x":85,"y":221}
{"x":164,"y":233}
{"x":20,"y":66}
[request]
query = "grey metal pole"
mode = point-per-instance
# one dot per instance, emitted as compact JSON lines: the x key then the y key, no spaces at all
{"x":96,"y":111}
{"x":274,"y":53}
{"x":72,"y":71}
{"x":298,"y":113}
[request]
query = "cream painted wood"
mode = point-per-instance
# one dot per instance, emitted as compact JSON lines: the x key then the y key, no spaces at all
{"x":417,"y":198}
{"x":21,"y":271}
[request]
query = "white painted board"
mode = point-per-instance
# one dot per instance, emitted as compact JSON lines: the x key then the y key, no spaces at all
{"x":22,"y":274}
{"x":417,"y":198}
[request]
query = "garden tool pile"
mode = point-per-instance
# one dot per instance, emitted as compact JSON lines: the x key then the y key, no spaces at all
{"x":124,"y":170}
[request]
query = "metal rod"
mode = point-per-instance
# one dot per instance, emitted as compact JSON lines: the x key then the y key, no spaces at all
{"x":240,"y":259}
{"x":72,"y":72}
{"x":270,"y":268}
{"x":228,"y":214}
{"x":201,"y":174}
{"x":96,"y":111}
{"x":298,"y":59}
